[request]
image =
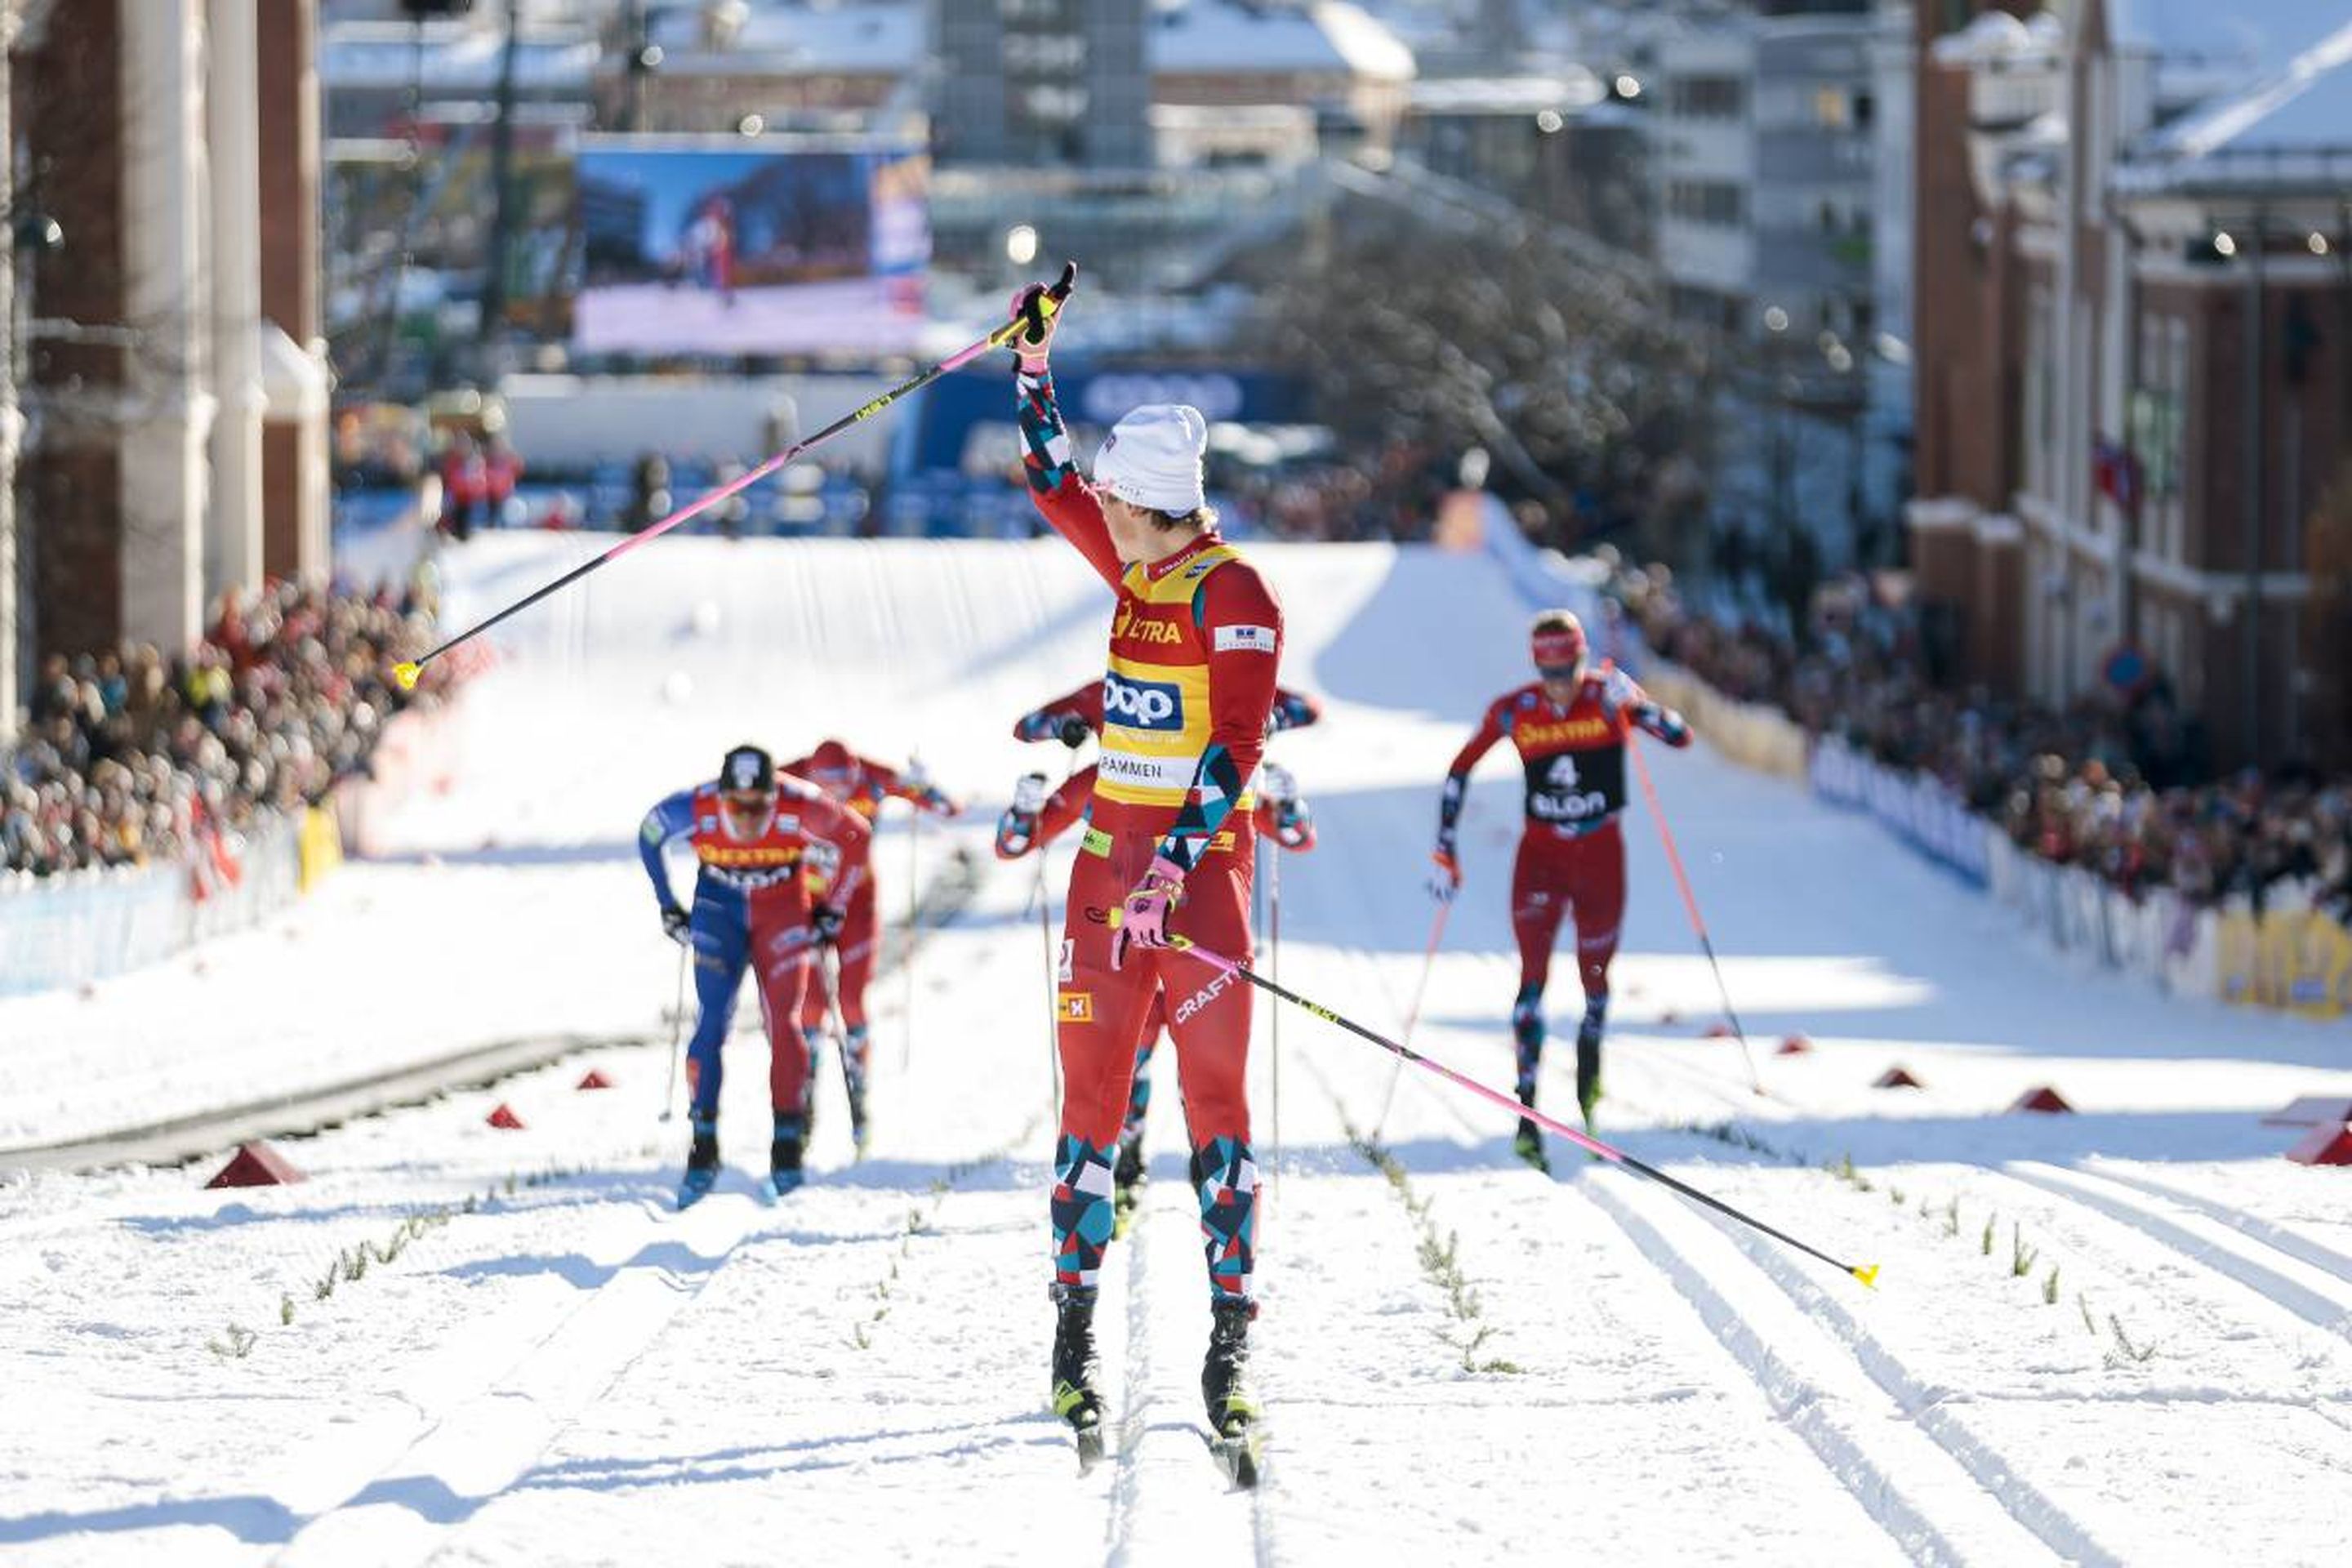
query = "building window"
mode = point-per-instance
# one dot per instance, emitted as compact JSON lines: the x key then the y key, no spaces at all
{"x":1832,"y":108}
{"x":1706,"y":98}
{"x":1707,"y":201}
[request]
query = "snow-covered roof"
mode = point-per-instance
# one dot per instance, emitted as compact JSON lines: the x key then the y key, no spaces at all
{"x":1571,"y":89}
{"x":459,"y":59}
{"x":1215,"y":38}
{"x":798,"y":40}
{"x":2294,"y":128}
{"x":1996,"y":37}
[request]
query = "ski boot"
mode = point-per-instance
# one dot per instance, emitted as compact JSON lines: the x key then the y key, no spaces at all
{"x":1127,"y":1183}
{"x":1232,"y":1413}
{"x":702,"y":1163}
{"x":784,"y":1156}
{"x":1528,"y":1144}
{"x":1587,"y":1058}
{"x":1076,"y":1371}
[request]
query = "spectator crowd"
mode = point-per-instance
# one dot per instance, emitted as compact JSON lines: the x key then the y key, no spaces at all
{"x":2118,"y":784}
{"x":132,"y":757}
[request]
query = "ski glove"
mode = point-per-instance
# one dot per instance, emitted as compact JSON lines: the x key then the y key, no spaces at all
{"x":1029,"y":794}
{"x":825,"y":920}
{"x":1143,"y":913}
{"x":677,"y":924}
{"x":1618,"y":691}
{"x":1445,"y":878}
{"x":820,"y":863}
{"x":1073,"y":732}
{"x":938,"y":802}
{"x":1031,"y":345}
{"x":1016,"y":833}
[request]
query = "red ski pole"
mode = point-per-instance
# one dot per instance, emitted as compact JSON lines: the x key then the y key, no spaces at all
{"x":1690,"y":904}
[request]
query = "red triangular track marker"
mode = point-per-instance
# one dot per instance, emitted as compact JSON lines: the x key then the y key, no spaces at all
{"x":257,"y":1165}
{"x":2041,"y":1098}
{"x":2324,"y":1146}
{"x":1897,"y":1077}
{"x":504,"y":1116}
{"x":1718,"y":1031}
{"x":1795,"y":1045}
{"x":596,"y":1079}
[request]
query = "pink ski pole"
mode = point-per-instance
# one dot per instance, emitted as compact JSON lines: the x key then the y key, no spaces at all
{"x":1866,"y":1272}
{"x":406,"y":671}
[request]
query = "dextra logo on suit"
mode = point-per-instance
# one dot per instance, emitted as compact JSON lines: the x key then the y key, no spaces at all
{"x":1142,"y":625}
{"x":1142,"y":704}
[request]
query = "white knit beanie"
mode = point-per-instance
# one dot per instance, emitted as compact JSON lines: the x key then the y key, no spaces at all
{"x":1151,"y":459}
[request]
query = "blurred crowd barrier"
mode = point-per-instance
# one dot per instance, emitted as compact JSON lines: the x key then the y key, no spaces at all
{"x":71,"y":931}
{"x":418,"y":753}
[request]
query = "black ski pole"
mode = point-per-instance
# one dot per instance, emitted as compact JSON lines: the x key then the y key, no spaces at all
{"x":1866,"y":1272}
{"x":407,"y":670}
{"x":677,"y":1033}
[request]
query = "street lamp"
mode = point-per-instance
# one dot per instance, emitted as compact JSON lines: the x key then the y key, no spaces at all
{"x":1020,"y":245}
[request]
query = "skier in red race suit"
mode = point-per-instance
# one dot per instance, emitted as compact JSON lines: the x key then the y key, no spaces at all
{"x":1195,"y":641}
{"x":862,"y":784}
{"x":1035,"y":819}
{"x":775,"y":857}
{"x":1571,"y":728}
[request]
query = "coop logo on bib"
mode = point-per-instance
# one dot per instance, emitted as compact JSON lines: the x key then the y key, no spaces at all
{"x":1142,"y":704}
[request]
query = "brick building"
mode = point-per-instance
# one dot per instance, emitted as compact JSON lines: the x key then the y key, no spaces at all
{"x":177,"y":387}
{"x":2132,"y":380}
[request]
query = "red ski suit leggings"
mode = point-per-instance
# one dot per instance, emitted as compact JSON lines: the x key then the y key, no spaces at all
{"x":854,"y":952}
{"x":1557,"y":874}
{"x":1103,"y":1011}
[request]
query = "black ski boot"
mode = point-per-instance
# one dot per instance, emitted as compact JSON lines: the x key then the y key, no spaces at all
{"x":702,"y":1163}
{"x":1528,"y":1144}
{"x":1076,"y":1371}
{"x":1587,"y":1058}
{"x":784,"y":1156}
{"x":1225,"y":1388}
{"x":1527,"y":1035}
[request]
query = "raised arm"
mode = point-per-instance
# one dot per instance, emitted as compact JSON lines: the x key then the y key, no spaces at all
{"x":1055,"y":485}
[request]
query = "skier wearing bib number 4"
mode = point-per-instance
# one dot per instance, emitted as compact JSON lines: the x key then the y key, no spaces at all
{"x":1572,"y":726}
{"x":1196,"y":640}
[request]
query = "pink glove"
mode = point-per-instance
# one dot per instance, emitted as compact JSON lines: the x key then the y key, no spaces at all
{"x":1143,"y":913}
{"x":1034,"y":345}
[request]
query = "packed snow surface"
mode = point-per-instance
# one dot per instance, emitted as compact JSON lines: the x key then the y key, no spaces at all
{"x":2114,"y":1336}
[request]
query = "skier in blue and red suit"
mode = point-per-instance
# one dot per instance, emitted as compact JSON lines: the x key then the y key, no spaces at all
{"x":862,"y":784}
{"x":1571,"y":727}
{"x":777,"y":859}
{"x":1195,"y":641}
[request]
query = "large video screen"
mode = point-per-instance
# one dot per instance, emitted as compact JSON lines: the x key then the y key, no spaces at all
{"x":727,"y":249}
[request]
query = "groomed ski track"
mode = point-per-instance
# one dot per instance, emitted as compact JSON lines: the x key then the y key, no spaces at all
{"x":1459,"y":1359}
